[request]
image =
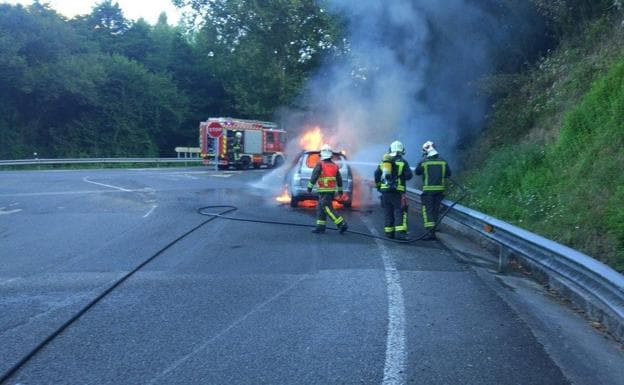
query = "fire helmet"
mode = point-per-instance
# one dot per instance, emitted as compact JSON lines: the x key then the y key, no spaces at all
{"x":326,"y":151}
{"x":396,"y":148}
{"x":239,"y":134}
{"x":428,"y":148}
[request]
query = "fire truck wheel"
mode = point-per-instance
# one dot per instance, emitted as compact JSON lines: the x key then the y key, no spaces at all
{"x":244,"y":163}
{"x":256,"y":165}
{"x":278,"y":161}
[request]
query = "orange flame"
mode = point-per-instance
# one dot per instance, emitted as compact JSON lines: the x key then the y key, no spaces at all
{"x":284,"y":198}
{"x":312,"y":139}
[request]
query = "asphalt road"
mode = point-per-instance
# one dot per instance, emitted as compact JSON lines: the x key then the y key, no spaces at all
{"x":236,"y":302}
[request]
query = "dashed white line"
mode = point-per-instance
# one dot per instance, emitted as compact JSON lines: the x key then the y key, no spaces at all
{"x":106,"y":185}
{"x":7,"y":212}
{"x":394,"y":367}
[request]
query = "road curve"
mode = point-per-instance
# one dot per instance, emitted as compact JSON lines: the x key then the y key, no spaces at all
{"x":238,"y":302}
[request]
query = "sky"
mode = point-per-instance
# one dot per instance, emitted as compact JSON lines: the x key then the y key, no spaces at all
{"x":132,"y":9}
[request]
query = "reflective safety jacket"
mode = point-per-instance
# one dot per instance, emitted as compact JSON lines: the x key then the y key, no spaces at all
{"x":327,"y":177}
{"x":434,"y":171}
{"x":403,"y":174}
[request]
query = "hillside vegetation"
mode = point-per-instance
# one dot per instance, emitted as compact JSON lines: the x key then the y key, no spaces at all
{"x":551,"y":159}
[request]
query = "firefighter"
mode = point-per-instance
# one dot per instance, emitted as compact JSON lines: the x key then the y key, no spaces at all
{"x":390,"y":178}
{"x":434,"y":171}
{"x":329,"y":182}
{"x":236,"y":146}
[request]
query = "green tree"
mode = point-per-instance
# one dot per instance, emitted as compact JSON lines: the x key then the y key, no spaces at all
{"x":263,"y":51}
{"x":107,"y":25}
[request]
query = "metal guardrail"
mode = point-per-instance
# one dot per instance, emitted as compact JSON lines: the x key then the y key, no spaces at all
{"x":601,"y":287}
{"x":35,"y":162}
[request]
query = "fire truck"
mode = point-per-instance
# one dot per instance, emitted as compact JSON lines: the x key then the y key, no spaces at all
{"x":242,"y":143}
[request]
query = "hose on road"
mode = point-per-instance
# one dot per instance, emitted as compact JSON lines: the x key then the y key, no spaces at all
{"x":212,"y":216}
{"x":426,"y":234}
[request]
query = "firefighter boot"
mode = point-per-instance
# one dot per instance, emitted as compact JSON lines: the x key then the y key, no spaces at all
{"x":401,"y":235}
{"x":319,"y":230}
{"x":343,"y":227}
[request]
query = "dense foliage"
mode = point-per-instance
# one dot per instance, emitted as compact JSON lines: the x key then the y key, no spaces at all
{"x":101,"y":85}
{"x":550,"y":159}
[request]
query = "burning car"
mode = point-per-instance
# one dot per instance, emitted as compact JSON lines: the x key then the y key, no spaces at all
{"x":299,"y":176}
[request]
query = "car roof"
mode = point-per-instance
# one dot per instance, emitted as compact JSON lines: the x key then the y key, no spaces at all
{"x":318,"y":152}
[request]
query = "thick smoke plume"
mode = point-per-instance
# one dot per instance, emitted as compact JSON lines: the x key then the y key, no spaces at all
{"x":410,"y":76}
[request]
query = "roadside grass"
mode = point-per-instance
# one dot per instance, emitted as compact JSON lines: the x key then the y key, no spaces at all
{"x":552,"y":159}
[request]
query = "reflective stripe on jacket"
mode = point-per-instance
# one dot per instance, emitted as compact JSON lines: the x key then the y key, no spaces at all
{"x":327,"y":181}
{"x":326,"y":176}
{"x":434,"y":170}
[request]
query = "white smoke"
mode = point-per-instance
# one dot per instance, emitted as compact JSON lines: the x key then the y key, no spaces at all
{"x":409,"y":76}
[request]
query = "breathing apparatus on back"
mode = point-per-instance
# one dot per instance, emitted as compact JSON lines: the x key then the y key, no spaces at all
{"x":388,"y":167}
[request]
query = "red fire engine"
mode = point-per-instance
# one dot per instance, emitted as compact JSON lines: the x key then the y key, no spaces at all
{"x":242,"y":143}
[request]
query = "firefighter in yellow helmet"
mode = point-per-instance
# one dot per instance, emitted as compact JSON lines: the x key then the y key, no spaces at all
{"x":390,"y":178}
{"x":326,"y":175}
{"x":434,"y":171}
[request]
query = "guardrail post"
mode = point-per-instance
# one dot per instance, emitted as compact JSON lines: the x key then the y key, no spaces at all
{"x":503,"y":258}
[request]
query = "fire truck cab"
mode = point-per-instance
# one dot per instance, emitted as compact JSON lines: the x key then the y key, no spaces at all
{"x":257,"y":144}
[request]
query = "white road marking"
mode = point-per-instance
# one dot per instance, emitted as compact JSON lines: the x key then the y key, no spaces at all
{"x":36,"y":194}
{"x":150,"y":211}
{"x":105,"y":185}
{"x":9,"y":280}
{"x":394,"y":368}
{"x":221,"y":175}
{"x":210,"y":340}
{"x":7,"y":212}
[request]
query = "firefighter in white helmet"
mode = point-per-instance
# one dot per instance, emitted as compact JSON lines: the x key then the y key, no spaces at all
{"x":390,"y":178}
{"x":326,"y":175}
{"x":434,"y":171}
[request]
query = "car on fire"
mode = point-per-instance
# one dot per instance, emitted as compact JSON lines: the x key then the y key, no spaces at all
{"x":301,"y":172}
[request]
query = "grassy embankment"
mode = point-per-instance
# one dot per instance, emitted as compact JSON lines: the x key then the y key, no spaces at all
{"x":552,"y":157}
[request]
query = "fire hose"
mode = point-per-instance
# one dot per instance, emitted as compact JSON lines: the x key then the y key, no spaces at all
{"x":229,"y":209}
{"x":212,"y":216}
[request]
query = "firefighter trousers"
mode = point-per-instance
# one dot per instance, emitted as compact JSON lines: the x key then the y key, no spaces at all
{"x":395,"y":212}
{"x":324,"y":209}
{"x":431,"y":201}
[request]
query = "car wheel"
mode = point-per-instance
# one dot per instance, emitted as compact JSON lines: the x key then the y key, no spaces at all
{"x":294,"y":202}
{"x":347,"y":204}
